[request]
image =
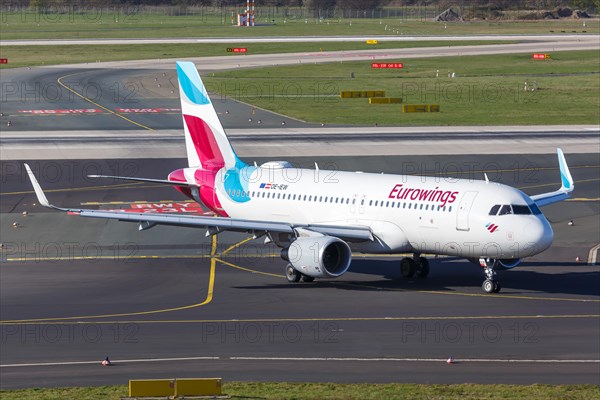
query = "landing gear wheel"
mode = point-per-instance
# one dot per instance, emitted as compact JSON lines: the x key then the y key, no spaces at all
{"x":489,"y":286}
{"x":423,"y":269}
{"x":291,"y":274}
{"x":307,"y":279}
{"x":497,"y":287}
{"x":408,"y":267}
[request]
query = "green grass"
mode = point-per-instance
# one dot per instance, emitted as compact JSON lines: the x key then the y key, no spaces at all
{"x":300,"y":391}
{"x":487,"y":90}
{"x":101,"y":23}
{"x":29,"y":56}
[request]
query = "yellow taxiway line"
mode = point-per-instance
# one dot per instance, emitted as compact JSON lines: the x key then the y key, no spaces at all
{"x":59,"y":81}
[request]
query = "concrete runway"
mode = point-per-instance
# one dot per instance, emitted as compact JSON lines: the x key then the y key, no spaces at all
{"x":298,"y":39}
{"x":169,"y":302}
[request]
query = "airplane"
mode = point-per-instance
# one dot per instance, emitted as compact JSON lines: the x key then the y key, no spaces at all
{"x":319,"y":217}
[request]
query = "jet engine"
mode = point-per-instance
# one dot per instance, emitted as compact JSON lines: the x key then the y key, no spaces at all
{"x":319,"y":257}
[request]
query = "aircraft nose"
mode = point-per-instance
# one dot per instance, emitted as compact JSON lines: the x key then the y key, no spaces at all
{"x":539,"y":235}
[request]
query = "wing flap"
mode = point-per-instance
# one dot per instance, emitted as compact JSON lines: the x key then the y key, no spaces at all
{"x":194,"y":221}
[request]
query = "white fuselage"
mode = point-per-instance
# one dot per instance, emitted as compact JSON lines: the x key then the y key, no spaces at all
{"x":405,"y":213}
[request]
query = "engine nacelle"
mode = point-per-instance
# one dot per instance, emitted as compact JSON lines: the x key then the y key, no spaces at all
{"x":508,"y":263}
{"x":319,"y":257}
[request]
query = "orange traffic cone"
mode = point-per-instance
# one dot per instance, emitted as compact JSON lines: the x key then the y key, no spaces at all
{"x":106,"y":362}
{"x":450,"y":360}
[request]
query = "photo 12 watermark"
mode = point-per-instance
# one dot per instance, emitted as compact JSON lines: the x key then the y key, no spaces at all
{"x":68,"y":333}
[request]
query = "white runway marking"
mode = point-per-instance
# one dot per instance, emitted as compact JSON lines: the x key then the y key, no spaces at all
{"x":141,"y":360}
{"x":490,"y":360}
{"x":337,"y":359}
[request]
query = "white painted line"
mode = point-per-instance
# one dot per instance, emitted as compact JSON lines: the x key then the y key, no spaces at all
{"x":593,"y":254}
{"x":141,"y":360}
{"x":491,"y":360}
{"x":337,"y":359}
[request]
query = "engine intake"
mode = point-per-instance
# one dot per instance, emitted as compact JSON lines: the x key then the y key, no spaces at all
{"x":319,"y":257}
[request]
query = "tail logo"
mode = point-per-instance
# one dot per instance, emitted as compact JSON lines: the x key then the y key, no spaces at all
{"x":205,"y":143}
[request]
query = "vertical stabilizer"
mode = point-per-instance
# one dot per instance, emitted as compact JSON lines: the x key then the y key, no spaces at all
{"x":205,"y":139}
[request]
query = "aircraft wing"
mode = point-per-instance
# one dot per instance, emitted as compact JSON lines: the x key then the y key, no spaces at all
{"x":567,"y":185}
{"x":213,"y":224}
{"x":147,"y":180}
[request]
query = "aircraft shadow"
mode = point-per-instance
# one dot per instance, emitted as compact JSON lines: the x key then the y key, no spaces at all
{"x":448,"y":274}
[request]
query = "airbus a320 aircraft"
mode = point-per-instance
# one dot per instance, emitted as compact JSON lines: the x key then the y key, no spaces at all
{"x":319,"y":217}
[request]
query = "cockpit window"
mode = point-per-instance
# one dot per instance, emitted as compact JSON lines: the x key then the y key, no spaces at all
{"x":521,"y":210}
{"x":535,"y":209}
{"x":495,"y":209}
{"x":506,"y":209}
{"x":516,"y":209}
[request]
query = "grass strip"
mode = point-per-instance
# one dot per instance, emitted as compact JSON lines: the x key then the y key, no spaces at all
{"x":103,"y":23}
{"x":486,"y":90}
{"x":333,"y":391}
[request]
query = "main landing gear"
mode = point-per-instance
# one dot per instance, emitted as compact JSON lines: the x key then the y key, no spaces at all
{"x":294,"y":276}
{"x":491,"y":284}
{"x":416,"y":265}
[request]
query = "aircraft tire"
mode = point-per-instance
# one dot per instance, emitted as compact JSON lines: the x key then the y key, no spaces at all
{"x":497,"y":287}
{"x":423,"y":271}
{"x":488,"y":286}
{"x":408,"y":267}
{"x":291,"y":274}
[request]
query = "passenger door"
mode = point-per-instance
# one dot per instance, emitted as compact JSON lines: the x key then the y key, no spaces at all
{"x":464,"y":208}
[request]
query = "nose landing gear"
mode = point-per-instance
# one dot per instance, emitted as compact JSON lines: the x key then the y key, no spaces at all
{"x":490,"y":284}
